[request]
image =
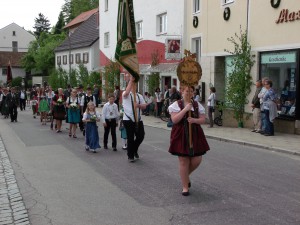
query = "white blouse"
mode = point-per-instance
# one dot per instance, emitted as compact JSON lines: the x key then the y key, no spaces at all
{"x":175,"y":108}
{"x":85,"y":115}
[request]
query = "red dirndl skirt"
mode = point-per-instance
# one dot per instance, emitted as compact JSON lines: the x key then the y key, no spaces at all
{"x":179,"y":142}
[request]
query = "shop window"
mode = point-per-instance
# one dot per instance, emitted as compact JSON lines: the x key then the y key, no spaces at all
{"x":280,"y":68}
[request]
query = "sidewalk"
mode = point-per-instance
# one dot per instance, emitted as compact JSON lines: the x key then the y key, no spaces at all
{"x":281,"y":142}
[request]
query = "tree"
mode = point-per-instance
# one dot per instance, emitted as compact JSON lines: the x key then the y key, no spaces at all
{"x":58,"y":29}
{"x":41,"y":25}
{"x":111,"y":76}
{"x":73,"y":8}
{"x":239,"y":81}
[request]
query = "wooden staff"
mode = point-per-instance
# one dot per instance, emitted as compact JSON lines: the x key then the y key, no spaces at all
{"x":191,"y":152}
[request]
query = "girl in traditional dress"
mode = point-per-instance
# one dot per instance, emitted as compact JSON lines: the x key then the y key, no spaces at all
{"x":189,"y":156}
{"x":59,"y":111}
{"x":91,"y":117}
{"x":43,"y":107}
{"x":73,"y":105}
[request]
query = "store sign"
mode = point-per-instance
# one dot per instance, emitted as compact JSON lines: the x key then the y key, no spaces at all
{"x":173,"y":49}
{"x":286,"y":16}
{"x":287,"y":57}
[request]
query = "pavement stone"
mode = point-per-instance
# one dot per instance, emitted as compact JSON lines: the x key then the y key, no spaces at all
{"x":12,"y":208}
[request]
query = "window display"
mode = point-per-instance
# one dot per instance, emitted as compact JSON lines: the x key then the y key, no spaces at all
{"x":280,"y":67}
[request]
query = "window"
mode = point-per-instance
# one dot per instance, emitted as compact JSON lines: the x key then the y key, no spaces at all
{"x":71,"y":60}
{"x":162,"y":23}
{"x":227,"y":1}
{"x":4,"y":71}
{"x":58,"y":59}
{"x":196,"y":47}
{"x":14,"y":33}
{"x":106,"y":5}
{"x":85,"y":57}
{"x":196,"y":6}
{"x":77,"y":58}
{"x":139,"y":29}
{"x":106,"y":39}
{"x":15,"y":46}
{"x":64,"y":59}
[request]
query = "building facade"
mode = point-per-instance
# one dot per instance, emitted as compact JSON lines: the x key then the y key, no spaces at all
{"x":14,"y":43}
{"x":159,"y":24}
{"x":274,"y":37}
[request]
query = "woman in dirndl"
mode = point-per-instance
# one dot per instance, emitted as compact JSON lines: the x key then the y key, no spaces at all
{"x":189,"y":157}
{"x":4,"y":105}
{"x":73,"y":106}
{"x":43,"y":107}
{"x":59,"y":110}
{"x":90,"y":118}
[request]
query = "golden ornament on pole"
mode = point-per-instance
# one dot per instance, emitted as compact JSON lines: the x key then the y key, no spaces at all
{"x":189,"y":73}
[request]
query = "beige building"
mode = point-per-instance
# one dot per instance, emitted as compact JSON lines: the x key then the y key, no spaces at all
{"x":273,"y":33}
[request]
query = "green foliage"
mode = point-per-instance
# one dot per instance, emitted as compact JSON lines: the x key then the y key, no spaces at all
{"x":153,"y":82}
{"x":73,"y":8}
{"x":239,"y":81}
{"x":58,"y":78}
{"x":42,"y":25}
{"x":111,"y":76}
{"x":94,"y":78}
{"x":16,"y":82}
{"x":83,"y":75}
{"x":58,"y":29}
{"x":73,"y":78}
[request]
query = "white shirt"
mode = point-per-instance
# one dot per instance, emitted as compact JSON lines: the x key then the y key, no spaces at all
{"x":174,"y":107}
{"x":83,"y":99}
{"x":110,"y":111}
{"x":158,"y":96}
{"x":211,"y":100}
{"x":127,"y":106}
{"x":22,"y":95}
{"x":91,"y":113}
{"x":73,"y":100}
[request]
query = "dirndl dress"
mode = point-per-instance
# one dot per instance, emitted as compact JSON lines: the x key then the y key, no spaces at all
{"x":73,"y":115}
{"x":44,"y":106}
{"x":179,"y":142}
{"x":91,"y":133}
{"x":59,"y":111}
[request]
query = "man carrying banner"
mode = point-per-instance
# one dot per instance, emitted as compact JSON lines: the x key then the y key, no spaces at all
{"x":132,"y":119}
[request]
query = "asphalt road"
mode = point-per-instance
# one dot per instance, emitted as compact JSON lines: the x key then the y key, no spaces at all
{"x":62,"y":184}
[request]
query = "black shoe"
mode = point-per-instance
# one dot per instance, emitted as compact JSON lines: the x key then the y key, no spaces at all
{"x":185,"y":193}
{"x":105,"y":147}
{"x":136,"y":155}
{"x":114,"y":149}
{"x":131,"y":160}
{"x":83,"y":132}
{"x":190,"y":184}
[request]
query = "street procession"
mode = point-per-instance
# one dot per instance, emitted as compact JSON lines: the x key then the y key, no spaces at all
{"x":135,"y":112}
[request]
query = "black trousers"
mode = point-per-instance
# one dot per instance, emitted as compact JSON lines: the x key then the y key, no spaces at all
{"x":13,"y":112}
{"x":134,"y":136}
{"x":110,"y":127}
{"x":22,"y":104}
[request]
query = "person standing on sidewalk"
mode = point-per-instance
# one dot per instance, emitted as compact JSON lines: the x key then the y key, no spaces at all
{"x":22,"y":97}
{"x":262,"y":112}
{"x":134,"y":126}
{"x":110,"y":117}
{"x":211,"y":106}
{"x":255,"y":104}
{"x":189,"y":157}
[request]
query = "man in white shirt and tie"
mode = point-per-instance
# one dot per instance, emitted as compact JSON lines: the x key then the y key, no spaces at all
{"x":110,"y":117}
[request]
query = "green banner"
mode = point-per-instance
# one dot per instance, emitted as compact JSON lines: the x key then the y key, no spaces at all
{"x":126,"y":53}
{"x":284,"y":57}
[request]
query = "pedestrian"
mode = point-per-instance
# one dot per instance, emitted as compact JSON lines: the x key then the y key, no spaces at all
{"x":96,"y":94}
{"x":12,"y":101}
{"x":73,"y":110}
{"x":110,"y":117}
{"x":90,"y":118}
{"x":117,"y":95}
{"x":270,"y":108}
{"x":189,"y":157}
{"x":159,"y":101}
{"x":43,"y":107}
{"x":85,"y":99}
{"x":22,"y":99}
{"x":132,"y":119}
{"x":123,"y":131}
{"x":211,"y":106}
{"x":261,"y":101}
{"x":4,"y":106}
{"x":255,"y":104}
{"x":59,"y":110}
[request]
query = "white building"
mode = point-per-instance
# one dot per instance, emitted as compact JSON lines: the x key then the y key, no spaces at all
{"x":157,"y":22}
{"x":14,"y":43}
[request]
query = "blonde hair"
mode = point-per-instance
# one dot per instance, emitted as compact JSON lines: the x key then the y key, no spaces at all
{"x":87,"y":108}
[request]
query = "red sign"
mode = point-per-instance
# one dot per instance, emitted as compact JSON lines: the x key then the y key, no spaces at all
{"x":286,"y":16}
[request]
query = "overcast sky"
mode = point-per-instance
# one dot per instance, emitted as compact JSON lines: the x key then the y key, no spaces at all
{"x":23,"y":12}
